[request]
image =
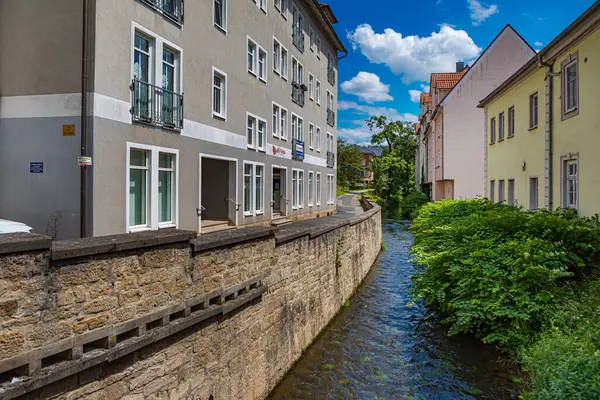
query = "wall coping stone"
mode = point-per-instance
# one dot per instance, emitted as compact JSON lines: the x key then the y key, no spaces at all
{"x":23,"y":241}
{"x":64,"y":249}
{"x":229,"y":237}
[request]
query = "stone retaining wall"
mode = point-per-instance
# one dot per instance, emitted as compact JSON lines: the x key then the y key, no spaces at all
{"x":167,"y":315}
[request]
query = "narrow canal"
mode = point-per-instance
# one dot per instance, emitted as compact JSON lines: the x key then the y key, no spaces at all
{"x":383,"y":347}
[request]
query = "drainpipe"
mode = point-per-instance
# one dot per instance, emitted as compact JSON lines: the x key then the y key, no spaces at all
{"x":84,"y":90}
{"x":549,"y":126}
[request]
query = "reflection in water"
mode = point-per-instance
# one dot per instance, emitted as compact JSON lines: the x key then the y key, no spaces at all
{"x":383,"y":347}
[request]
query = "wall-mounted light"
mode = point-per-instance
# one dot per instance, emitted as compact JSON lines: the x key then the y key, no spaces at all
{"x":524,"y":166}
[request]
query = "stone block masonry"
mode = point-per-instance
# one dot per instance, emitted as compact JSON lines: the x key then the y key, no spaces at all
{"x":168,"y":315}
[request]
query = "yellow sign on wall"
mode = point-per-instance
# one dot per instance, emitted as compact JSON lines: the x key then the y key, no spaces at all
{"x":68,"y":130}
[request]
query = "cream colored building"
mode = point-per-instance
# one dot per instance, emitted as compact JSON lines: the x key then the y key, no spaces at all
{"x":543,"y":126}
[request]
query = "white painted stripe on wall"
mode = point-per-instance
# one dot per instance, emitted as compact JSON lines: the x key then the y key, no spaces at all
{"x":41,"y":106}
{"x":111,"y":108}
{"x":209,"y":133}
{"x":69,"y":105}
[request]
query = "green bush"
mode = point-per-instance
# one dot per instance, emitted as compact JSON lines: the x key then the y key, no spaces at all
{"x":411,"y":204}
{"x":507,"y":276}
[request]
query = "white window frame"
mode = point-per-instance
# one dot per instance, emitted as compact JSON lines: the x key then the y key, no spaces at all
{"x":318,"y":92}
{"x":262,"y":77}
{"x":311,"y":86}
{"x":311,"y":36}
{"x":279,"y":129}
{"x":330,"y":100}
{"x":285,"y":59}
{"x":298,"y":129}
{"x":298,"y":70}
{"x":330,"y":187}
{"x":254,"y":69}
{"x":318,"y":138}
{"x":311,"y":135}
{"x":157,"y":46}
{"x":330,"y":142}
{"x":318,"y":191}
{"x":253,"y":210}
{"x":276,"y":56}
{"x":566,"y":161}
{"x":152,"y":189}
{"x":311,"y":188}
{"x":225,"y":16}
{"x":298,"y":184}
{"x":255,"y":132}
{"x":318,"y":45}
{"x":565,"y":95}
{"x":223,"y":113}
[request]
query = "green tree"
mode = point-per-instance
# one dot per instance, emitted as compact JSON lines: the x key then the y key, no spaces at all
{"x":394,"y":171}
{"x":349,"y":164}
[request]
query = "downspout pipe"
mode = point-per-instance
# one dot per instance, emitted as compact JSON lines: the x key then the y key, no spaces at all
{"x":84,"y":106}
{"x":549,"y":127}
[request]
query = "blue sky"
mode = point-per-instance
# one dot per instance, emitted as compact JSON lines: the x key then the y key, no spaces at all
{"x":393,"y":46}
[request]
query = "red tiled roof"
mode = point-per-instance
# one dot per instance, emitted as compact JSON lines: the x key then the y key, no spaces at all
{"x":446,"y":80}
{"x":329,"y":13}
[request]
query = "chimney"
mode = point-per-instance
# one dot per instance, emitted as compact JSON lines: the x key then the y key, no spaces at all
{"x":460,"y":66}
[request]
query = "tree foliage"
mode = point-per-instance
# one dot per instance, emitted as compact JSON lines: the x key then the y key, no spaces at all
{"x":509,"y":277}
{"x":394,"y":171}
{"x":349,"y":164}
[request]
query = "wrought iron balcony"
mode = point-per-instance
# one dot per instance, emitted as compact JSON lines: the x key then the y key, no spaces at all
{"x":298,"y":93}
{"x":172,"y":9}
{"x":331,"y":76}
{"x":156,"y":106}
{"x":330,"y":159}
{"x":298,"y":37}
{"x":330,"y":117}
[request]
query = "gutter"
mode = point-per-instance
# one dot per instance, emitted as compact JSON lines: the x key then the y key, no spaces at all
{"x":84,"y":90}
{"x":548,"y":151}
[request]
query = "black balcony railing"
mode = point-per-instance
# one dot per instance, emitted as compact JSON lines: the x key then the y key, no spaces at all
{"x":298,"y":37}
{"x":298,"y":93}
{"x":330,"y":159}
{"x":157,"y":106}
{"x":330,"y":117}
{"x":331,"y":76}
{"x":173,"y":9}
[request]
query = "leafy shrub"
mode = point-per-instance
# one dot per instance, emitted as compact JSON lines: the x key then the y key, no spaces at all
{"x":505,"y":275}
{"x":412,"y":203}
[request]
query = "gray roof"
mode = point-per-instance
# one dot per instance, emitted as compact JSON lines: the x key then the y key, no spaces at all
{"x":375,"y":150}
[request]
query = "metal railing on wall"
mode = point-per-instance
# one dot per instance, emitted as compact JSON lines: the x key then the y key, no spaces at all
{"x":157,"y":106}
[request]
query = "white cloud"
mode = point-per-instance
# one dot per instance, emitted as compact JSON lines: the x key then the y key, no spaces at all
{"x":368,"y":87}
{"x":370,"y":111}
{"x":414,"y":57}
{"x":481,"y":12}
{"x":538,"y":44}
{"x":415,"y":94}
{"x":356,"y":135}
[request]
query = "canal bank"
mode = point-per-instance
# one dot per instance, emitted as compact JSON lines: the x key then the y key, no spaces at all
{"x":382,"y":346}
{"x":168,"y":315}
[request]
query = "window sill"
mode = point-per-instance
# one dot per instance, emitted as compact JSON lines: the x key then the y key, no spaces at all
{"x":569,"y":114}
{"x":139,"y":229}
{"x":220,"y":28}
{"x":500,"y":140}
{"x":276,"y":72}
{"x":247,"y":214}
{"x":259,"y":213}
{"x":531,"y":128}
{"x":252,"y":73}
{"x":263,"y":80}
{"x":493,"y":143}
{"x":167,"y":225}
{"x":284,"y":78}
{"x":510,"y":136}
{"x":220,"y":117}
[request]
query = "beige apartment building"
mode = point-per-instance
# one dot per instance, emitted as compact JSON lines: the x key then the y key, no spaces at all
{"x":199,"y":115}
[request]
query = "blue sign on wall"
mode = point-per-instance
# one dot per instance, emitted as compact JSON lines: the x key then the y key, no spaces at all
{"x":297,"y":150}
{"x":36,"y":167}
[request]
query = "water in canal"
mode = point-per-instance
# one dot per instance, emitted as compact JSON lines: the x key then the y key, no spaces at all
{"x":382,"y":347}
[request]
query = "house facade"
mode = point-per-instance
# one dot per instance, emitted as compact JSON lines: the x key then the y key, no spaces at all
{"x":542,"y":126}
{"x":369,"y":153}
{"x":224,"y":114}
{"x":455,"y":142}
